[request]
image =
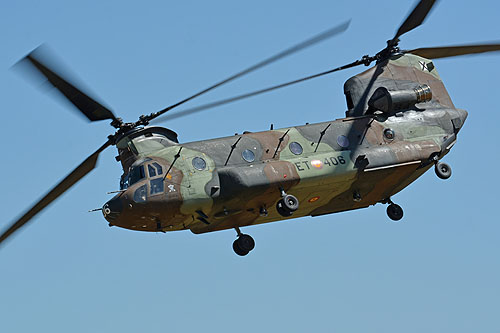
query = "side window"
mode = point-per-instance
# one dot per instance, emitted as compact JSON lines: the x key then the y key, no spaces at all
{"x":248,"y":155}
{"x":199,"y":163}
{"x":156,"y":186}
{"x":295,"y":148}
{"x":343,"y":141}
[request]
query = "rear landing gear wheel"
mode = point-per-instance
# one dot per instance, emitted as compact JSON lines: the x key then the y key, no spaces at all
{"x":395,"y":212}
{"x":243,"y":245}
{"x":443,"y":170}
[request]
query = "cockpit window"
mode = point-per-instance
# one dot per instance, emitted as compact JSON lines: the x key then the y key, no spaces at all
{"x":140,"y":194}
{"x":124,"y":182}
{"x":152,"y":171}
{"x":156,"y":186}
{"x":136,"y":174}
{"x":158,"y":167}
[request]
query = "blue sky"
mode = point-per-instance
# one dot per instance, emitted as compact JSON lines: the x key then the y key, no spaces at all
{"x":436,"y":271}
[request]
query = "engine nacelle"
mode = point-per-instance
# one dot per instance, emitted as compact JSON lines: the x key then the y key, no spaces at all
{"x":389,"y":101}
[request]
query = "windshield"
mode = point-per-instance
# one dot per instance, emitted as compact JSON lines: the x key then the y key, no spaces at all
{"x":124,"y":182}
{"x":136,"y":174}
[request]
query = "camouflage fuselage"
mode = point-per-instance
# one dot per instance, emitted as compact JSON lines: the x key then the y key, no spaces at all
{"x":330,"y":167}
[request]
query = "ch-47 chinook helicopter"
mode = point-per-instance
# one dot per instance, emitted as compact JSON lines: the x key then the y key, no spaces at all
{"x":400,"y":122}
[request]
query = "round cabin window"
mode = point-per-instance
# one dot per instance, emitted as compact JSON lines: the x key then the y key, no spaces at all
{"x":343,"y":141}
{"x":199,"y":163}
{"x":389,"y":134}
{"x":295,"y":148}
{"x":248,"y":155}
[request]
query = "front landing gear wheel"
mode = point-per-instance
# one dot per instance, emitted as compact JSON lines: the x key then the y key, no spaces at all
{"x":443,"y":170}
{"x":287,"y":205}
{"x":395,"y":212}
{"x":243,"y":245}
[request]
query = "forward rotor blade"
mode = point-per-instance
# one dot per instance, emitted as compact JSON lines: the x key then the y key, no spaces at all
{"x":93,"y":110}
{"x":84,"y":168}
{"x":453,"y":51}
{"x":416,"y":17}
{"x":307,"y":43}
{"x":207,"y":106}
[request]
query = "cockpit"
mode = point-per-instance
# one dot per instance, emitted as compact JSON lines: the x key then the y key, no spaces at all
{"x":139,"y":171}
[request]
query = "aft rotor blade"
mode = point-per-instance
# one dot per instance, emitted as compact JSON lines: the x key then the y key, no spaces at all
{"x":92,"y":109}
{"x":307,"y":43}
{"x":453,"y":51}
{"x":84,"y":168}
{"x":416,"y":17}
{"x":207,"y":106}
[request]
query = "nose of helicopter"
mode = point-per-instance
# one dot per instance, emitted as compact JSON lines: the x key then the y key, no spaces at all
{"x":112,"y":209}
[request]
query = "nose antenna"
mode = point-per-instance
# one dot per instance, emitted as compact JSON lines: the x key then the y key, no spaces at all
{"x":118,"y":191}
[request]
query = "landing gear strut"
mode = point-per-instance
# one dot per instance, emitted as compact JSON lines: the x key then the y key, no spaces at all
{"x":287,"y":204}
{"x":243,"y":244}
{"x":394,"y":211}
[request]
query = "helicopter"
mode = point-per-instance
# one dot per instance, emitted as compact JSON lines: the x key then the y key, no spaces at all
{"x":399,"y":124}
